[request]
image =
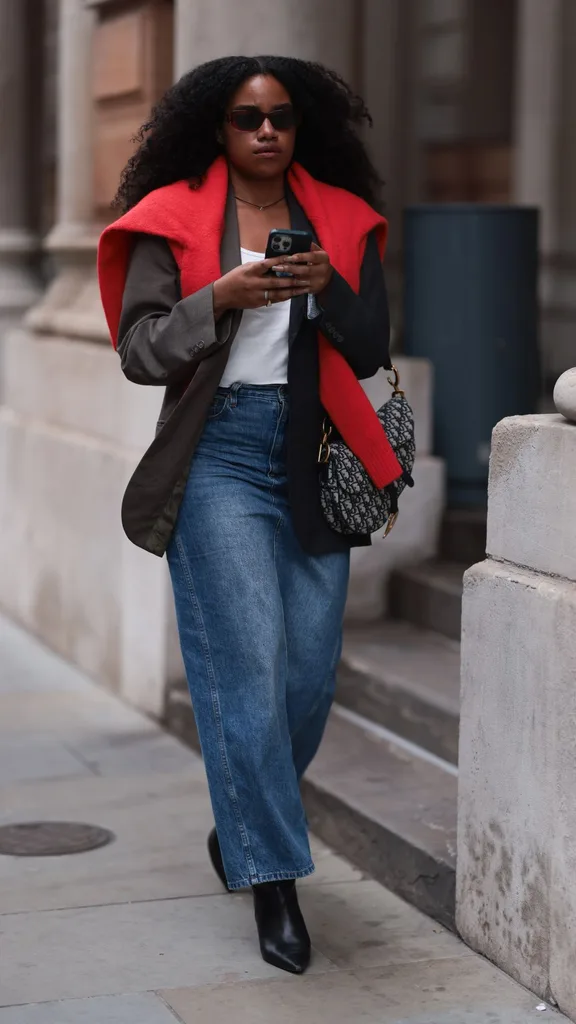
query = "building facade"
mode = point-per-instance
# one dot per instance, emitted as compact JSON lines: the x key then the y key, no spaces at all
{"x":471,"y":99}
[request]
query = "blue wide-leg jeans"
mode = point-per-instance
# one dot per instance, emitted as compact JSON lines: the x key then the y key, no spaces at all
{"x":260,"y":625}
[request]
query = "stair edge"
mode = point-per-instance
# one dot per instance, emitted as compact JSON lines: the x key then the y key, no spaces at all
{"x":408,"y":714}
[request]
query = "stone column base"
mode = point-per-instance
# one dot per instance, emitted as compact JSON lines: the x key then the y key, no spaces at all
{"x":19,"y":287}
{"x":516,"y":888}
{"x":516,"y":894}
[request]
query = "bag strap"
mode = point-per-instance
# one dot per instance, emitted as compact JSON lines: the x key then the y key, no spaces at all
{"x":324,"y":449}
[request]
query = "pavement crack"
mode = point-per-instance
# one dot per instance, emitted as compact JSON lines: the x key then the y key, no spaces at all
{"x":90,"y":765}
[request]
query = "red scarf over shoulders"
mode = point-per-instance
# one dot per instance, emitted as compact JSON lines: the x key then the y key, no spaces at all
{"x":192,"y":221}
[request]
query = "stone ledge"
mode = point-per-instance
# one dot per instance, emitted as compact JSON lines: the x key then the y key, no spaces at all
{"x":406,"y":680}
{"x":74,"y":439}
{"x":68,"y":573}
{"x":71,"y":305}
{"x":532,"y":494}
{"x":87,"y":391}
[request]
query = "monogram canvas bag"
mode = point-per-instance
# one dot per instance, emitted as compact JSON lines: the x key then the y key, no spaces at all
{"x":351,"y":503}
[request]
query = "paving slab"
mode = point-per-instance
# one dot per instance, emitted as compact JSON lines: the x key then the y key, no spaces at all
{"x":134,"y":753}
{"x":128,"y":746}
{"x":46,"y":759}
{"x":70,"y":714}
{"x":134,"y":1009}
{"x":330,"y":869}
{"x":464,"y":991}
{"x":131,"y":947}
{"x":379,"y":928}
{"x":160,"y":822}
{"x":139,"y":932}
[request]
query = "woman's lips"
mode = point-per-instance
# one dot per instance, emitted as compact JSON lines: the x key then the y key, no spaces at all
{"x":268,"y":152}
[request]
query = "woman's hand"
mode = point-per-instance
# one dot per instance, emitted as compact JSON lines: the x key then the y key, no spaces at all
{"x":313,"y":267}
{"x":248,"y":287}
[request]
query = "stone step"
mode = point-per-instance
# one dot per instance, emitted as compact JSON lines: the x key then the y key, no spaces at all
{"x":378,"y":800}
{"x":463,"y":535}
{"x":389,"y":807}
{"x":405,"y":679}
{"x":429,"y":596}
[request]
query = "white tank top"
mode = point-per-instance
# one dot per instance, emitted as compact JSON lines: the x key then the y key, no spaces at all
{"x":259,"y":352}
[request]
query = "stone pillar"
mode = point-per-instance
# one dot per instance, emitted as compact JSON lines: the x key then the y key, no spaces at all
{"x":74,"y":206}
{"x":545,"y":162}
{"x":71,"y":304}
{"x":516,"y":899}
{"x":537,"y":111}
{"x":325,"y":30}
{"x":18,"y":285}
{"x":388,"y":101}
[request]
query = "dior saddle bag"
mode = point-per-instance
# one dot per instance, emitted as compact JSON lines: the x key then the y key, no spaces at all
{"x":351,"y":502}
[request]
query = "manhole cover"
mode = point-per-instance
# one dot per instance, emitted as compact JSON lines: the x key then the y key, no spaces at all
{"x":51,"y":838}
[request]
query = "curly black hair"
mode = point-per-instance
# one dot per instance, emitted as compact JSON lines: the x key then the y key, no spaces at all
{"x":179,"y":141}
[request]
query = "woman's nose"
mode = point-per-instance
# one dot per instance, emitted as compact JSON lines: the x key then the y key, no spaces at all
{"x":267,"y":130}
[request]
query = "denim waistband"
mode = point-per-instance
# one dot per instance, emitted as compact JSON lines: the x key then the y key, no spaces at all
{"x":263,"y":392}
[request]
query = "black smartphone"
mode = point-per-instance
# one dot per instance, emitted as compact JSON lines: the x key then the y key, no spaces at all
{"x":287,"y":242}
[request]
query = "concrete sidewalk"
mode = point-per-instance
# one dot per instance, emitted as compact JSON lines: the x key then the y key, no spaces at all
{"x":140,"y":932}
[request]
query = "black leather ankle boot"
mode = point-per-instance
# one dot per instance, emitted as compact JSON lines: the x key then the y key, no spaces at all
{"x":216,"y":857}
{"x":284,"y":939}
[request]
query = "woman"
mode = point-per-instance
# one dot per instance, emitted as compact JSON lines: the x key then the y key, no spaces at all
{"x":230,"y":486}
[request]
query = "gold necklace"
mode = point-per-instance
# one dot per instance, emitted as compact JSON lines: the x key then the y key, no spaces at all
{"x":255,"y":205}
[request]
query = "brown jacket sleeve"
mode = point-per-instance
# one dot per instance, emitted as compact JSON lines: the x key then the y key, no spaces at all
{"x":161,"y":335}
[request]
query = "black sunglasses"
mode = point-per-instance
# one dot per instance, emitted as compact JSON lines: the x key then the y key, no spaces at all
{"x":250,"y":119}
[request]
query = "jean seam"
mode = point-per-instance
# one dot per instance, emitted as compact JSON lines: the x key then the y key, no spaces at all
{"x":271,"y":472}
{"x":329,"y":677}
{"x":275,"y":438}
{"x":272,"y":876}
{"x":280,"y":520}
{"x":216,"y":710}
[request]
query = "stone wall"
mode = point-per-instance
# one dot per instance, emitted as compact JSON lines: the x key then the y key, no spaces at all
{"x":516,"y":897}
